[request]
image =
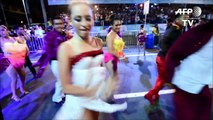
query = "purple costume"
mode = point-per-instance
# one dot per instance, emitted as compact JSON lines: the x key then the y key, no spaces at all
{"x":52,"y":40}
{"x":51,"y":43}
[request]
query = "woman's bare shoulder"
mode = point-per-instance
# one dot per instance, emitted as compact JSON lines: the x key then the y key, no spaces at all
{"x":65,"y":47}
{"x":111,"y":35}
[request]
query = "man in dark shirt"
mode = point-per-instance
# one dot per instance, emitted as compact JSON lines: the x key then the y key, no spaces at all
{"x":169,"y":23}
{"x":166,"y":42}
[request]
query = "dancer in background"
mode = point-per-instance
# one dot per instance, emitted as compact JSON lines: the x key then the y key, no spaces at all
{"x":171,"y":35}
{"x":64,"y":33}
{"x":115,"y":47}
{"x":156,"y":33}
{"x":169,"y":22}
{"x":16,"y":53}
{"x":81,"y":69}
{"x":141,"y":39}
{"x":4,"y":62}
{"x":189,"y":68}
{"x":23,"y":37}
{"x":52,"y":40}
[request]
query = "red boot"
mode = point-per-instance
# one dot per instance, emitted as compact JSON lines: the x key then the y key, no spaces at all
{"x":152,"y":96}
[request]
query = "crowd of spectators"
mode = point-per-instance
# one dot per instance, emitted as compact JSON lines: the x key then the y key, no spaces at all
{"x":129,"y":14}
{"x":133,"y":13}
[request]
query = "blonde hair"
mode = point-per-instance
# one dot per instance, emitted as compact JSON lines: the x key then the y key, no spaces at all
{"x":74,"y":2}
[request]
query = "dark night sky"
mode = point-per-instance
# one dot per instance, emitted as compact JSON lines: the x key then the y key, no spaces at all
{"x":13,"y":17}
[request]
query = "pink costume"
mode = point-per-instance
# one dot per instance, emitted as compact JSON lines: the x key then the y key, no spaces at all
{"x":15,"y":52}
{"x":118,"y":46}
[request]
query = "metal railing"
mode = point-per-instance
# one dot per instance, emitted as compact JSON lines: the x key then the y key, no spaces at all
{"x":35,"y":43}
{"x":128,"y":37}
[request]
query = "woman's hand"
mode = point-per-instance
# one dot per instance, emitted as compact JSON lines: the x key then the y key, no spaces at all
{"x":92,"y":92}
{"x":110,"y":87}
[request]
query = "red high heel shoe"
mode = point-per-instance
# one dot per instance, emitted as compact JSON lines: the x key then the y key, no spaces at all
{"x":152,"y":96}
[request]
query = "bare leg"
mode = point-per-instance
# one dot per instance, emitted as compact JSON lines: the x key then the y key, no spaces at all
{"x":112,"y":68}
{"x":22,"y":74}
{"x":90,"y":115}
{"x":13,"y":75}
{"x":112,"y":82}
{"x":144,"y":46}
{"x":139,"y":50}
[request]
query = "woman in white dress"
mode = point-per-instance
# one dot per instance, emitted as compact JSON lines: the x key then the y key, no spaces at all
{"x":81,"y":70}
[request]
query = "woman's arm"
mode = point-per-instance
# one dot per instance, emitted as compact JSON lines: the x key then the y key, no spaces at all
{"x":65,"y":74}
{"x":98,"y":42}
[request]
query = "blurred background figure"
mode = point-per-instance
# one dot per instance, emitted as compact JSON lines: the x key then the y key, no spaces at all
{"x":141,"y":39}
{"x":23,"y":37}
{"x":169,"y":23}
{"x":171,"y":35}
{"x":112,"y":56}
{"x":16,"y":53}
{"x":189,"y":68}
{"x":49,"y":25}
{"x":39,"y":32}
{"x":115,"y":47}
{"x":57,"y":30}
{"x":52,"y":40}
{"x":4,"y":62}
{"x":202,"y":21}
{"x":156,"y":32}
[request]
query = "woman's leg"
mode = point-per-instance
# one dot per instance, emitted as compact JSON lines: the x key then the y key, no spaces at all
{"x":22,"y":74}
{"x":112,"y":68}
{"x":112,"y":82}
{"x":139,"y":49}
{"x":90,"y":115}
{"x":11,"y":71}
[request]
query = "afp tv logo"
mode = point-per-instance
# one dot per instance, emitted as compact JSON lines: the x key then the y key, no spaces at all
{"x":195,"y":12}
